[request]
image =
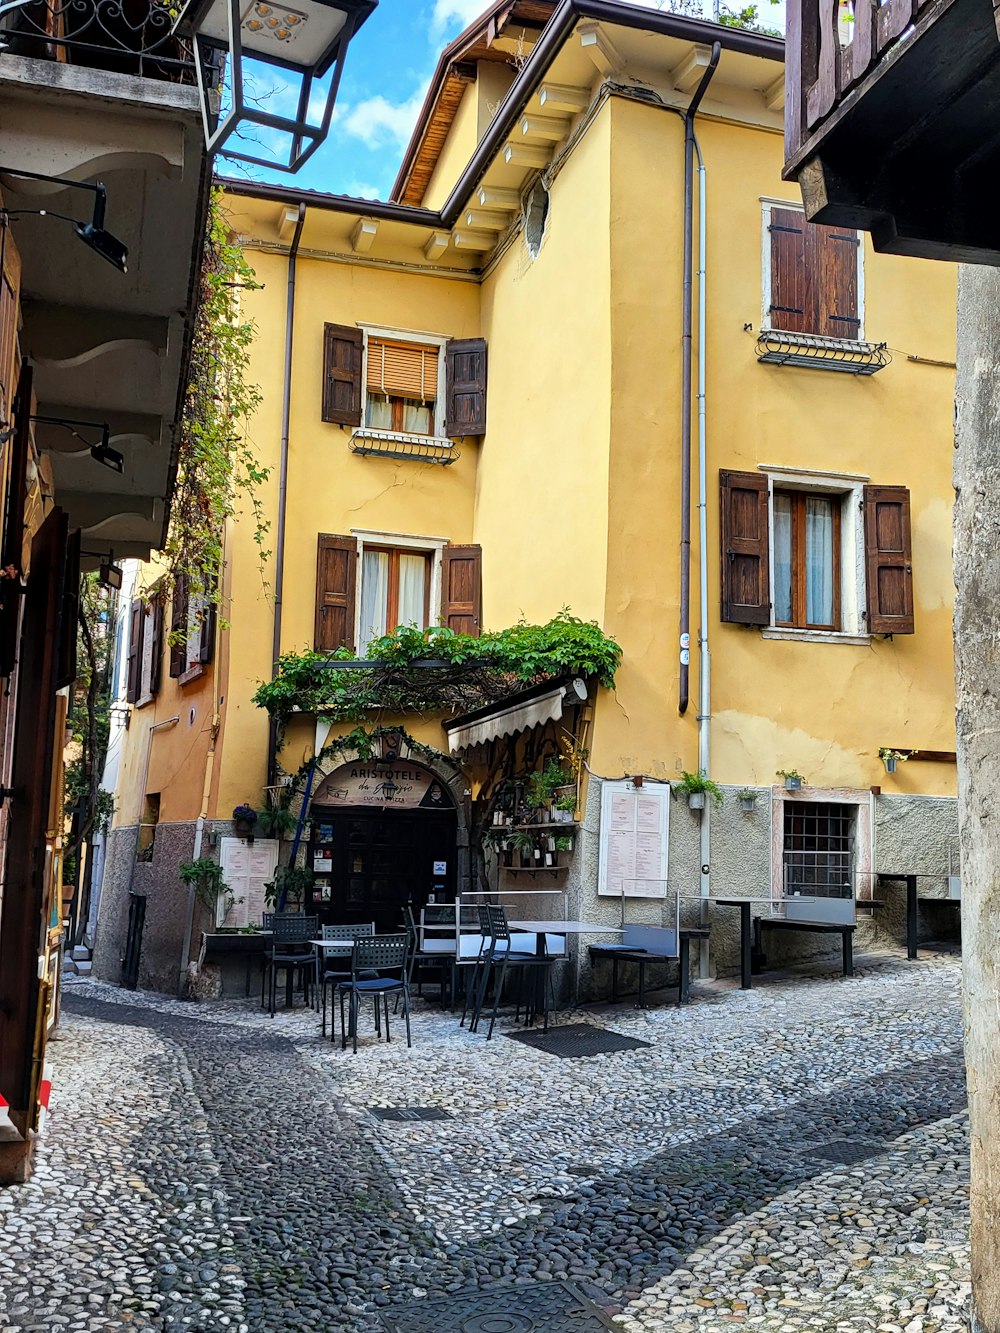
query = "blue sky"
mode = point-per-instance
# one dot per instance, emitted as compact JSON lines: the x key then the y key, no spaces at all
{"x":388,"y":68}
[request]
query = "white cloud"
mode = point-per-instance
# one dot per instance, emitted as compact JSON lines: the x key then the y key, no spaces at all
{"x":379,"y":122}
{"x":456,"y":11}
{"x":357,"y":189}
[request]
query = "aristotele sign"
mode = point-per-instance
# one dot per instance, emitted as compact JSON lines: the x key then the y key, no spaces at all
{"x":402,"y":785}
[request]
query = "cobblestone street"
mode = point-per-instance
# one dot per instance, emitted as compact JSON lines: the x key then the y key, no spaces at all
{"x":786,"y":1159}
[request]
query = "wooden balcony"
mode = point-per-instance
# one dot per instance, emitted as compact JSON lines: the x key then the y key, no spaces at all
{"x":892,"y":121}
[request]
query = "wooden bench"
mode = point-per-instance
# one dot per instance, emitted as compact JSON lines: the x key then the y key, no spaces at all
{"x":843,"y":929}
{"x":645,"y":944}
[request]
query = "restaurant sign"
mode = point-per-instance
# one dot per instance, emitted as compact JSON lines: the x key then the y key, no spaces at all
{"x":402,"y":785}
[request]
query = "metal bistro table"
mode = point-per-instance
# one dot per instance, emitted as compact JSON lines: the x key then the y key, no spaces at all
{"x":542,"y":928}
{"x":913,"y":900}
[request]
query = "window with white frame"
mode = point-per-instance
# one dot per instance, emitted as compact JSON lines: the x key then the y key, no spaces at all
{"x":403,"y":384}
{"x":395,"y":590}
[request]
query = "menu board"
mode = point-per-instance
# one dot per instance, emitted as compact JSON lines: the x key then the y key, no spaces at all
{"x":634,"y":833}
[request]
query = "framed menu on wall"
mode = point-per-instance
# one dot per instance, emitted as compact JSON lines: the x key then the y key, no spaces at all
{"x":635,"y":823}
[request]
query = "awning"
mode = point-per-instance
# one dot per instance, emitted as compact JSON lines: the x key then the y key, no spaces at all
{"x":465,"y":733}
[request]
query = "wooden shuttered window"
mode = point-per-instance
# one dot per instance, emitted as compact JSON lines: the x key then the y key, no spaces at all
{"x":888,"y":560}
{"x":746,"y":595}
{"x":206,"y":635}
{"x":465,"y":367}
{"x":402,"y":370}
{"x":342,"y":357}
{"x":156,"y":630}
{"x":66,"y":667}
{"x":462,"y":589}
{"x":336,"y":586}
{"x":178,"y":628}
{"x":136,"y":624}
{"x":814,"y":277}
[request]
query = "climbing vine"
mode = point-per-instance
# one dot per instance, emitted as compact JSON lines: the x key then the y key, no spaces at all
{"x":436,"y":669}
{"x":218,"y":475}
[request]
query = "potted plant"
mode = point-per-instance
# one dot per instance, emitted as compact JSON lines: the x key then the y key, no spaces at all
{"x":523,"y":843}
{"x":543,"y":786}
{"x":893,"y":757}
{"x":275,"y":821}
{"x":696,"y":787}
{"x":747,"y":799}
{"x":793,"y":779}
{"x":290,"y":887}
{"x":205,"y":877}
{"x":564,"y":844}
{"x":564,"y":807}
{"x":245,"y":817}
{"x":502,"y":842}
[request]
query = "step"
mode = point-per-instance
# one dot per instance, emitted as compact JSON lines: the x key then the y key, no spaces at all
{"x":81,"y":953}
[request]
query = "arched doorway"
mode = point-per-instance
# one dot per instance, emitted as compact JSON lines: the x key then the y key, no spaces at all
{"x":382,"y":835}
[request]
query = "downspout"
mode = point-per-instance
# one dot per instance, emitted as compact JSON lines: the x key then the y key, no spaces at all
{"x":686,"y":321}
{"x":704,"y":655}
{"x":286,"y":413}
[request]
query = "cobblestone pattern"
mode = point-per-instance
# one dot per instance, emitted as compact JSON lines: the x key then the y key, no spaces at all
{"x":687,"y":1186}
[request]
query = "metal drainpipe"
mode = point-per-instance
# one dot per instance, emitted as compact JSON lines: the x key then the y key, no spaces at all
{"x":286,"y":412}
{"x":685,"y":580}
{"x":704,"y":656}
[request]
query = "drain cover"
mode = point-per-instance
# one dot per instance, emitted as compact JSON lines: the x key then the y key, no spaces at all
{"x":578,"y":1039}
{"x":847,"y":1151}
{"x":555,"y":1307}
{"x":411,"y":1113}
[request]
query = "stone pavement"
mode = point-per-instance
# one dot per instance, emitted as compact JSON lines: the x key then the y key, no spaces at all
{"x":793,"y":1158}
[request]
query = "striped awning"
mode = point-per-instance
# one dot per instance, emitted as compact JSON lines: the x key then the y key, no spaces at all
{"x":505,"y":720}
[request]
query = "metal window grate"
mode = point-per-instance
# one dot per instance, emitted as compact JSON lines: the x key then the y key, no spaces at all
{"x":818,"y":856}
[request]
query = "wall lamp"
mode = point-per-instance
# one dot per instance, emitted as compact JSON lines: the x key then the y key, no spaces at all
{"x":305,"y":39}
{"x":110,"y":575}
{"x":102,"y":452}
{"x":92,"y":233}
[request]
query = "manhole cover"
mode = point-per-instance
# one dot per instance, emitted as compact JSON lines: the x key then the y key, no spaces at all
{"x":578,"y":1039}
{"x":847,"y":1151}
{"x":552,"y":1307}
{"x":411,"y":1113}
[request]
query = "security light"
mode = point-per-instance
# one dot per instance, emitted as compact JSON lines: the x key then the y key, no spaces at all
{"x":91,"y":233}
{"x":101,"y":452}
{"x":111,"y":575}
{"x":305,"y":39}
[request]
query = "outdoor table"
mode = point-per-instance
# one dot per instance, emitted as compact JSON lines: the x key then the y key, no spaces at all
{"x":912,"y":901}
{"x":542,"y":928}
{"x":746,"y":932}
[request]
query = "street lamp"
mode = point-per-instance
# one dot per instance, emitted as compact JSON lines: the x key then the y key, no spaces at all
{"x":305,"y":38}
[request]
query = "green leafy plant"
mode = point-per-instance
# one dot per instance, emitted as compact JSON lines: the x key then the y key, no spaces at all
{"x":293,"y":882}
{"x":790,"y":773}
{"x":564,"y":844}
{"x":205,"y":877}
{"x":274,"y":821}
{"x":693,"y":783}
{"x":469,"y":671}
{"x":567,"y":802}
{"x":218,"y":474}
{"x":900,"y":756}
{"x":543,"y":785}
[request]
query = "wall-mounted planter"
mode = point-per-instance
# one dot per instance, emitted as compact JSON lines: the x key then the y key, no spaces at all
{"x":747,"y":803}
{"x":696,"y":800}
{"x":793,"y":784}
{"x":890,"y":763}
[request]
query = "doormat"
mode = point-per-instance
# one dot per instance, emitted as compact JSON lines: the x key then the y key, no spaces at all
{"x":538,"y":1307}
{"x":578,"y":1039}
{"x":410,"y":1113}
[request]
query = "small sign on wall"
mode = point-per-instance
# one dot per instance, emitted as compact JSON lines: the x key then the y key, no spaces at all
{"x":440,"y":867}
{"x":635,"y":823}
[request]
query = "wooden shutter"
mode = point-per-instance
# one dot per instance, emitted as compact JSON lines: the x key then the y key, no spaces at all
{"x":13,"y":521}
{"x":336,"y":581}
{"x":66,"y":665}
{"x":462,"y":588}
{"x":465,"y":387}
{"x":746,"y":584}
{"x":133,"y":681}
{"x":402,"y":370}
{"x":178,"y":627}
{"x":792,"y":302}
{"x":888,"y":560}
{"x":834,"y":262}
{"x":342,"y":347}
{"x":156,"y":657}
{"x":206,"y":643}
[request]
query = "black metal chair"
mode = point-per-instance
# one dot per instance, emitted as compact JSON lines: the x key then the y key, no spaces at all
{"x":290,"y":950}
{"x":331,"y":972}
{"x":471,"y":988}
{"x":380,"y":955}
{"x":420,"y":956}
{"x":497,"y":956}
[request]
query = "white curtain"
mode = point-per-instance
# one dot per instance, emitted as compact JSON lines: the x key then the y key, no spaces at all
{"x":782,"y":558}
{"x":374,"y":596}
{"x":379,"y":412}
{"x":819,"y":561}
{"x":416,"y":417}
{"x":412,"y":583}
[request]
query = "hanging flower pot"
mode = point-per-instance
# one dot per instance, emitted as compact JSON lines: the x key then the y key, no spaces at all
{"x":747,"y":800}
{"x":245,"y":818}
{"x":793,"y":780}
{"x":890,"y":765}
{"x":696,"y":800}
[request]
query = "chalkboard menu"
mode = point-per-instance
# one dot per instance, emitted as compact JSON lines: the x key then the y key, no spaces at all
{"x":634,"y":832}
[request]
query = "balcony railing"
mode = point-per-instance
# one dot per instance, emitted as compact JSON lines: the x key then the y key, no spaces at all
{"x":831,"y":45}
{"x":125,"y":36}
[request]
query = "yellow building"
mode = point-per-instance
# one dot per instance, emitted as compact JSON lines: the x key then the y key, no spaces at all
{"x":534,"y":380}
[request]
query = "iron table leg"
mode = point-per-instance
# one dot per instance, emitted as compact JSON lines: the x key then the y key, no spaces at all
{"x":745,"y":981}
{"x":684,"y":988}
{"x":911,"y":916}
{"x":848,"y":953}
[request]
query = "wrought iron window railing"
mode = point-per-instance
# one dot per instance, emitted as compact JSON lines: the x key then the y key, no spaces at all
{"x":124,"y":36}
